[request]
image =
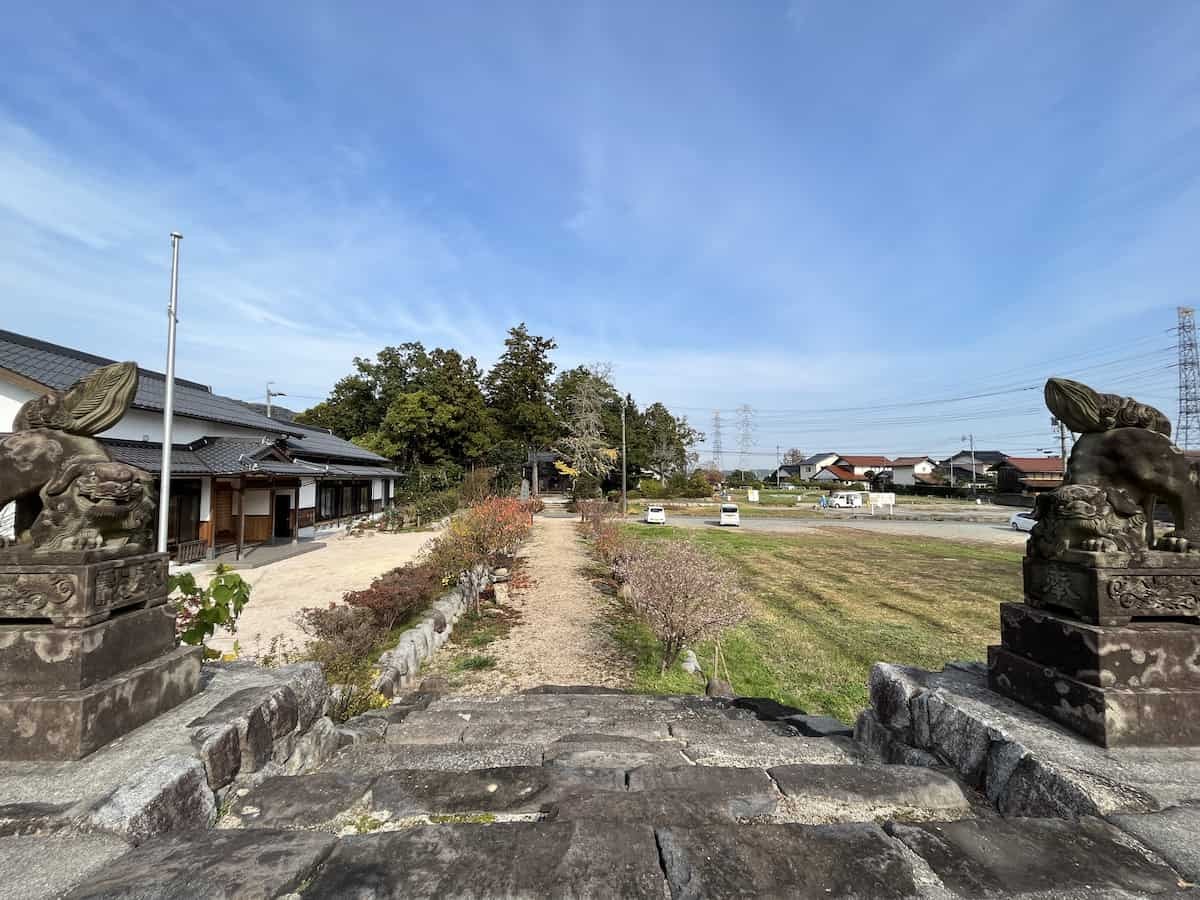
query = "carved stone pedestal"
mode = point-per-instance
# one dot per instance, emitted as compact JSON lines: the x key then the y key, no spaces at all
{"x":87,"y":652}
{"x":1131,"y":685}
{"x":1114,"y":588}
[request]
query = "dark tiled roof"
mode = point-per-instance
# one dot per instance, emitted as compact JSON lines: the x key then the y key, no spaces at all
{"x":909,"y":460}
{"x":59,"y":367}
{"x":318,"y":442}
{"x":817,"y":457}
{"x":149,"y":457}
{"x":1035,"y":465}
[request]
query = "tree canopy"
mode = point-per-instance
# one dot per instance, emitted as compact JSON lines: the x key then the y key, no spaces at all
{"x":436,"y":408}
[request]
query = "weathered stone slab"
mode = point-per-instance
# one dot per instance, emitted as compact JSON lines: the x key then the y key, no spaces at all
{"x":653,"y":808}
{"x":1110,"y":716}
{"x":75,"y":594}
{"x":317,"y":800}
{"x":71,"y":724}
{"x":1012,"y":857}
{"x":250,"y":864}
{"x":608,"y":752}
{"x":245,"y":714}
{"x":33,"y":818}
{"x":371,"y":759}
{"x":886,"y":745}
{"x":125,"y":759}
{"x":171,"y":794}
{"x":1174,"y":834}
{"x":1033,"y":766}
{"x":805,"y":861}
{"x":49,"y":658}
{"x":762,"y":753}
{"x":707,"y":728}
{"x":431,"y":727}
{"x":510,"y":789}
{"x":519,"y":859}
{"x":47,"y":866}
{"x":863,"y":793}
{"x":739,"y":792}
{"x":314,"y":747}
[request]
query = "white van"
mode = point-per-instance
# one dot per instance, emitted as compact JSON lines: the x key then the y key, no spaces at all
{"x":656,"y":515}
{"x":730,"y":515}
{"x":845,"y":500}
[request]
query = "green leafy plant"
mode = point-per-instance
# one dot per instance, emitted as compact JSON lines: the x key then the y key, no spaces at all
{"x":200,"y":611}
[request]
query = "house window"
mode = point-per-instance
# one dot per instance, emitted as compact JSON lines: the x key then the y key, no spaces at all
{"x":364,"y":497}
{"x":328,"y":501}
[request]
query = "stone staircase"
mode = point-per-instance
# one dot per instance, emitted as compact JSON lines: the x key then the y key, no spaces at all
{"x":574,"y":792}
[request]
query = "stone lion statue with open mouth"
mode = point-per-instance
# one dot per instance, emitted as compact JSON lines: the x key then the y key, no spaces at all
{"x":69,"y":493}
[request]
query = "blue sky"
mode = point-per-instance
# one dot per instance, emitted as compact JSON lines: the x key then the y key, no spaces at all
{"x":827,"y":211}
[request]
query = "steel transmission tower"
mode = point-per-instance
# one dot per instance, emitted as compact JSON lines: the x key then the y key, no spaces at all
{"x":745,"y":435}
{"x":716,"y":441}
{"x":1187,"y":427}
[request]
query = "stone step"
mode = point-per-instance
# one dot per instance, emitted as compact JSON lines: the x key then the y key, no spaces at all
{"x":665,"y":795}
{"x":1013,"y":858}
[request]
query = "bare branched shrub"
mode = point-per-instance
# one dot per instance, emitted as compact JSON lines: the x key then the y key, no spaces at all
{"x":595,"y":513}
{"x":682,"y":593}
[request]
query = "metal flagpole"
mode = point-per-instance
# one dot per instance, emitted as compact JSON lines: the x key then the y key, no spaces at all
{"x":624,"y":465}
{"x":164,"y":489}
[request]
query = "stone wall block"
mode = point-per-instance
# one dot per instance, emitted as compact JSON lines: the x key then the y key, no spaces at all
{"x":891,"y":689}
{"x":220,"y":750}
{"x":311,"y":689}
{"x":171,"y":794}
{"x":950,"y":733}
{"x":387,"y":682}
{"x":281,"y":709}
{"x":318,"y":744}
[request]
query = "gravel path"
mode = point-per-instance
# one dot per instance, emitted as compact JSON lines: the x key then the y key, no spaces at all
{"x":560,"y":638}
{"x":282,"y":589}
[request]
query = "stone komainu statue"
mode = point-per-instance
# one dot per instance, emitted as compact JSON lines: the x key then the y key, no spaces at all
{"x":68,"y":492}
{"x":1121,"y":464}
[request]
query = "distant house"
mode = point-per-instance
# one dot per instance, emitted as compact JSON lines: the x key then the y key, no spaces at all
{"x":814,"y":464}
{"x":839,"y":475}
{"x":905,"y":469}
{"x":984,"y":461}
{"x":861,"y":465}
{"x":786,"y":472}
{"x":1028,"y":475}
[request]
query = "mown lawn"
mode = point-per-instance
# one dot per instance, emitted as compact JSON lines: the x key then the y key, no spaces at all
{"x":828,"y":606}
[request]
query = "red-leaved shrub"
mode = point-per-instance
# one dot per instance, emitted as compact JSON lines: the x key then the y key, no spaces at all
{"x":395,"y":595}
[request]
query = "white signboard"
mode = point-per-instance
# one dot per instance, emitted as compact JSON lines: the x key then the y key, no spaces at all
{"x":883,"y":501}
{"x":752,"y":496}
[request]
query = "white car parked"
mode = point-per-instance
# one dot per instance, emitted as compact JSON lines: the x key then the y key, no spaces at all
{"x":1022,"y":521}
{"x":656,"y":515}
{"x":730,"y":514}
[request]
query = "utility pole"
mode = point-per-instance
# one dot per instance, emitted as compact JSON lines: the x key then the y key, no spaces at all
{"x":624,"y":464}
{"x":778,"y":466}
{"x":973,"y":472}
{"x":1187,"y":428}
{"x":164,"y":486}
{"x":1060,"y":429}
{"x":270,"y":394}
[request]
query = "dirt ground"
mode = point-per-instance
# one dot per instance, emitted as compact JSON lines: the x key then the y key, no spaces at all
{"x":313,"y":579}
{"x":560,"y":638}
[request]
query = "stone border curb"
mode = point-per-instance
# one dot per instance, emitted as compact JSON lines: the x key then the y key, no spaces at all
{"x":400,"y":666}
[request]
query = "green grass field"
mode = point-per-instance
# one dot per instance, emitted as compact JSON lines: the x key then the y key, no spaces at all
{"x":828,"y":606}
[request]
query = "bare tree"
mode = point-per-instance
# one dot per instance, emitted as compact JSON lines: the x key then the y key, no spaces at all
{"x":586,"y":447}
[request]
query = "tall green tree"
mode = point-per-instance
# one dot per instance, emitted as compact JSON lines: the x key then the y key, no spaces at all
{"x":669,"y":440}
{"x":518,"y":389}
